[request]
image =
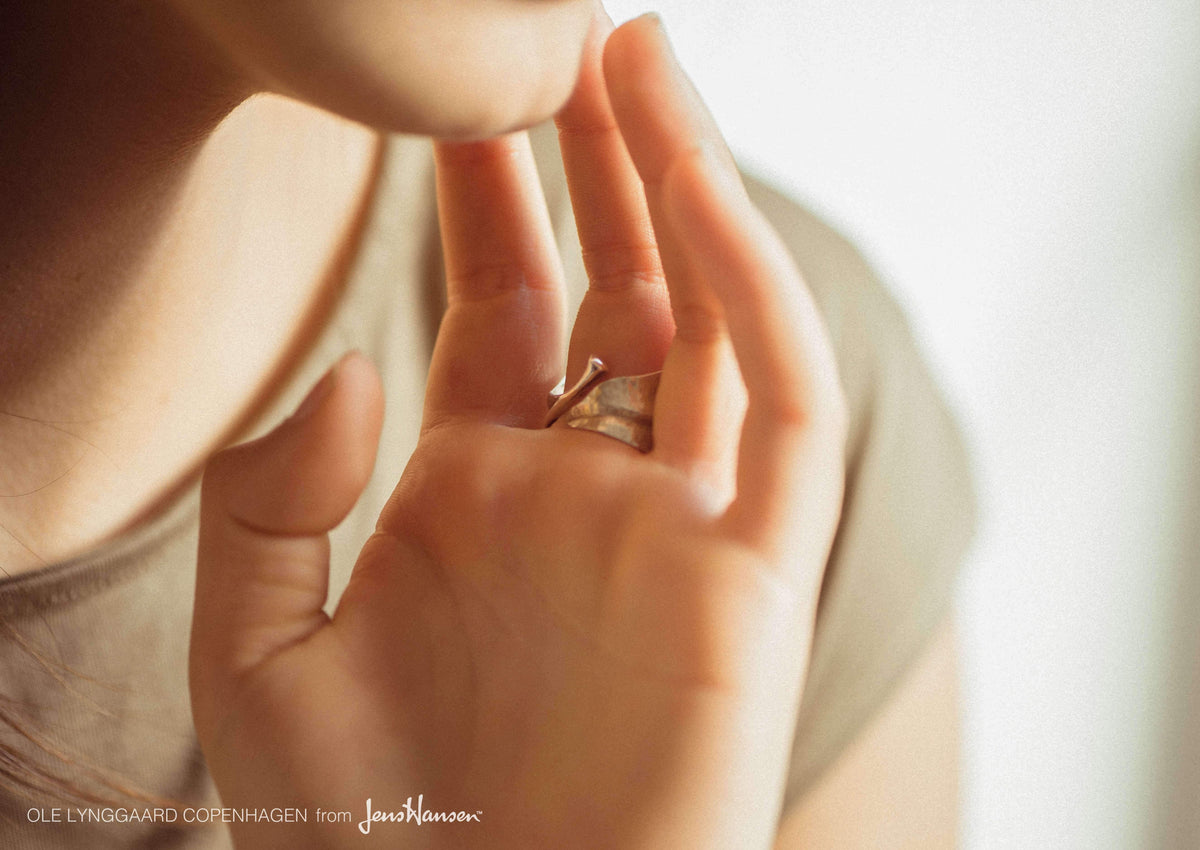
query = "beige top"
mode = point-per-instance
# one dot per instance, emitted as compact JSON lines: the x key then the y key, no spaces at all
{"x":94,"y":650}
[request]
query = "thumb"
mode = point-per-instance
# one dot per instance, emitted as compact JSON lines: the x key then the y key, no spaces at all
{"x":266,"y":508}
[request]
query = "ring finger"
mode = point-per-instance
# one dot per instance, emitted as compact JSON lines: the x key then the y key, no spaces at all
{"x":625,"y":317}
{"x":499,"y":349}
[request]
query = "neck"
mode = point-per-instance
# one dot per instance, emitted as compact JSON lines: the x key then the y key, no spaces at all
{"x":150,"y":284}
{"x":106,"y":107}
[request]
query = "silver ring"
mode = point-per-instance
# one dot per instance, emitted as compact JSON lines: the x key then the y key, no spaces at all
{"x":621,"y":408}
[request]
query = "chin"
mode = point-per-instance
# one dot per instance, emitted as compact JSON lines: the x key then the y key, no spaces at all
{"x":453,"y":112}
{"x":471,"y":117}
{"x":456,"y":69}
{"x":474,"y":97}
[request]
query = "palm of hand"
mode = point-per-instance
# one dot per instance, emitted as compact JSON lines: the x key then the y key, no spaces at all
{"x":548,"y":627}
{"x":530,"y":596}
{"x":545,"y":623}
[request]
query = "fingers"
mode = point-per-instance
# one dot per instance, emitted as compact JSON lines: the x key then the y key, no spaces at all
{"x":625,"y":317}
{"x":499,"y":350}
{"x":741,"y":280}
{"x":266,"y":509}
{"x":661,"y":116}
{"x":790,"y":449}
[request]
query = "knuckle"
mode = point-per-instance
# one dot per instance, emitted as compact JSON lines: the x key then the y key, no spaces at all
{"x":698,"y":324}
{"x":448,"y":476}
{"x":623,"y":265}
{"x":790,"y":411}
{"x":813,"y":409}
{"x":486,"y":153}
{"x":486,"y":281}
{"x":589,"y":130}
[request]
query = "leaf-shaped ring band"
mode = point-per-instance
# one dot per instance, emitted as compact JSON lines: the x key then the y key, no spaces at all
{"x":621,"y":408}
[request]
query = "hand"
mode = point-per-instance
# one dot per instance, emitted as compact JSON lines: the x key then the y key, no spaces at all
{"x":587,"y":645}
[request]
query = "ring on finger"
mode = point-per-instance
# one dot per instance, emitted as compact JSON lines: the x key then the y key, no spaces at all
{"x":621,"y":407}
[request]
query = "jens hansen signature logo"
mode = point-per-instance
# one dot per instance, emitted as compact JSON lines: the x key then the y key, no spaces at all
{"x":413,"y":814}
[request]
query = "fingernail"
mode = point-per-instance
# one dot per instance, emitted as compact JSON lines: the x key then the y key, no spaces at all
{"x":686,"y":88}
{"x":655,"y":19}
{"x":317,"y":394}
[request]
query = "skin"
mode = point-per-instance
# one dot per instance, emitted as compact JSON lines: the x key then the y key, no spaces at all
{"x":447,"y":69}
{"x":148,"y":177}
{"x":150,"y":160}
{"x":603,"y":615}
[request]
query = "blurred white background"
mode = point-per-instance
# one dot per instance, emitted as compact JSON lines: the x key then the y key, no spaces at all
{"x":1026,"y":177}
